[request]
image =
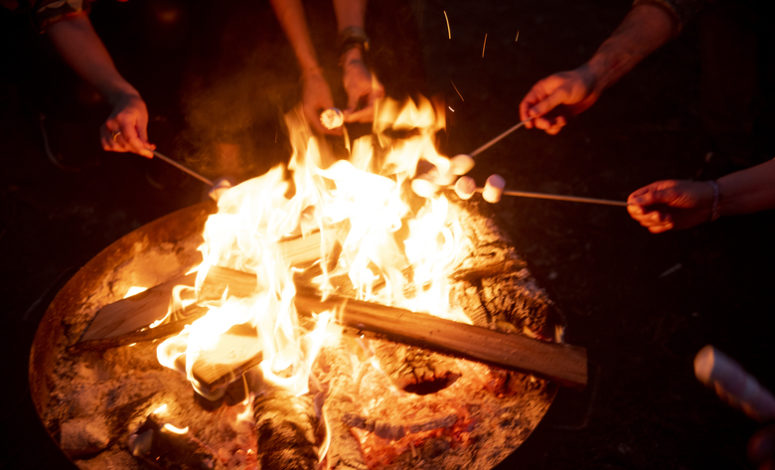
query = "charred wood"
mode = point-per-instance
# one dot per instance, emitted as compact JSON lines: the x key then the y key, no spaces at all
{"x":290,"y":430}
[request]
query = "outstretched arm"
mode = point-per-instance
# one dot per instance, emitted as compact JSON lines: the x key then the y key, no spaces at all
{"x":675,"y":204}
{"x":316,"y":95}
{"x":645,"y":28}
{"x":76,"y":41}
{"x":362,"y":88}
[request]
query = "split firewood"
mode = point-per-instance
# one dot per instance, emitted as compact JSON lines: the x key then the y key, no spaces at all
{"x":127,"y":321}
{"x":563,"y":363}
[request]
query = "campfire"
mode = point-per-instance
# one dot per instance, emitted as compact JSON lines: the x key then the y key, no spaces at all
{"x":326,"y":314}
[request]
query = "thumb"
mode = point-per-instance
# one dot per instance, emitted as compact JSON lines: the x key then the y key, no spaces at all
{"x":362,"y":115}
{"x":545,"y":105}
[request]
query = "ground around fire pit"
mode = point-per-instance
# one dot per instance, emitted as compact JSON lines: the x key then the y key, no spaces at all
{"x":642,"y":305}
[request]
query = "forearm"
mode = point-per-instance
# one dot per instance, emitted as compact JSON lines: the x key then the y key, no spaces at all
{"x":290,"y":14}
{"x":78,"y":44}
{"x":749,"y":190}
{"x":349,"y":13}
{"x":645,"y":28}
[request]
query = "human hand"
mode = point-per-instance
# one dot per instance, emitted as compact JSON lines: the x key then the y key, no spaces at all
{"x":362,"y":88}
{"x":566,"y":93}
{"x":761,"y":448}
{"x":316,"y":96}
{"x":671,"y":204}
{"x":126,"y":129}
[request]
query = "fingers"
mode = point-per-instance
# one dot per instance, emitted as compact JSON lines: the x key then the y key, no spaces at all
{"x":363,"y":90}
{"x":361,"y":115}
{"x":126,"y":129}
{"x":658,"y":192}
{"x":316,"y":96}
{"x":640,"y":207}
{"x":543,"y":97}
{"x":654,"y":220}
{"x":312,"y":113}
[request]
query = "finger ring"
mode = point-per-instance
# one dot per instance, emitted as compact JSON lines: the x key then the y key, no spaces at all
{"x":115,"y":135}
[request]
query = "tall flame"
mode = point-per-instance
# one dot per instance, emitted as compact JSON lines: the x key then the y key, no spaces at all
{"x":391,"y":247}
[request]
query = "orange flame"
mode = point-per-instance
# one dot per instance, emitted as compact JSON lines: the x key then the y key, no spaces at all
{"x":393,"y":247}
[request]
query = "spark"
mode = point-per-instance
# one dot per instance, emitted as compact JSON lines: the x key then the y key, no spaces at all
{"x":449,"y":31}
{"x":456,"y":90}
{"x":450,"y":108}
{"x":517,"y":37}
{"x":484,"y":45}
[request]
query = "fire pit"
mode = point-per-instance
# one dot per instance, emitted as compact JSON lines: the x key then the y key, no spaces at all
{"x":363,"y":401}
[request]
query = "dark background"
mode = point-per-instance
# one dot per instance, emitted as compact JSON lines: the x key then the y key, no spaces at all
{"x":642,"y":305}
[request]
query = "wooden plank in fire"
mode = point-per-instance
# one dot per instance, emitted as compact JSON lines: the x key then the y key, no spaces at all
{"x":563,"y":363}
{"x":127,"y":320}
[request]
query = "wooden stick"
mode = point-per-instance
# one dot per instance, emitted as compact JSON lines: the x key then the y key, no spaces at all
{"x":562,"y":197}
{"x":182,"y":168}
{"x":500,"y":137}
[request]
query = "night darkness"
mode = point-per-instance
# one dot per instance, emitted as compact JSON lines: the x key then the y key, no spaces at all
{"x":642,"y":304}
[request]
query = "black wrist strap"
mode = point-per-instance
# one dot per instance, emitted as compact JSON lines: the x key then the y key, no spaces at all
{"x":352,"y":36}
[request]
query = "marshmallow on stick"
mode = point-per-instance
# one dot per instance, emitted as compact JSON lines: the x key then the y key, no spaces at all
{"x":493,"y":188}
{"x":332,"y":118}
{"x":465,"y":187}
{"x":461,"y":164}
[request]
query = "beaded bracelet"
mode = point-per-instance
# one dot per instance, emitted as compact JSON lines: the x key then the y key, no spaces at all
{"x":715,"y":211}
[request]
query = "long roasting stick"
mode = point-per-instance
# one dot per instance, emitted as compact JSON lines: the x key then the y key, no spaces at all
{"x":182,"y":168}
{"x":500,"y":137}
{"x":465,"y":187}
{"x":562,"y":197}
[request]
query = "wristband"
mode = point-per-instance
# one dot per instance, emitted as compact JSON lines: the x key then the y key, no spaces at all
{"x":352,"y":36}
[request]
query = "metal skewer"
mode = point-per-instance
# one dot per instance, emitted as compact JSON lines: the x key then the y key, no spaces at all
{"x":183,"y":168}
{"x":498,"y":138}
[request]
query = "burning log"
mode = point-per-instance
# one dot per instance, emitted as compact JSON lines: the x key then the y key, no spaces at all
{"x":127,"y":320}
{"x":563,"y":363}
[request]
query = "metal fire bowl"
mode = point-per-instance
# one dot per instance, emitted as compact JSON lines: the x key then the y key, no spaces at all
{"x":155,"y":253}
{"x":94,"y":285}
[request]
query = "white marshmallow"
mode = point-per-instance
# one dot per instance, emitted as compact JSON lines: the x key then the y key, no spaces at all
{"x":218,"y":188}
{"x":465,"y":187}
{"x":461,"y":164}
{"x":424,"y":187}
{"x":493,"y":188}
{"x":332,"y":118}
